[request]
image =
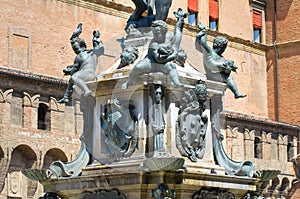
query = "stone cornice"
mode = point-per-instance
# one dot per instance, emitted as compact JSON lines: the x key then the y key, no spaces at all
{"x":31,"y":76}
{"x":285,"y":47}
{"x":258,"y":123}
{"x":31,"y":83}
{"x":259,"y":4}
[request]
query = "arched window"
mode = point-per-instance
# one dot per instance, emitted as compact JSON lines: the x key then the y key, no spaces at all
{"x":43,"y":117}
{"x":257,"y":148}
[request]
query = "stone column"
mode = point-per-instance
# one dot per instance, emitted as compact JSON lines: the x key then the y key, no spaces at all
{"x":16,"y":109}
{"x":249,"y":137}
{"x":58,"y":123}
{"x":5,"y":104}
{"x":30,"y":106}
{"x":282,"y":148}
{"x":266,"y":145}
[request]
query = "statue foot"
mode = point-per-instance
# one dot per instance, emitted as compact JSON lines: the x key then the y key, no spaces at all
{"x":125,"y":85}
{"x":63,"y":100}
{"x":178,"y":85}
{"x":239,"y":96}
{"x":88,"y":93}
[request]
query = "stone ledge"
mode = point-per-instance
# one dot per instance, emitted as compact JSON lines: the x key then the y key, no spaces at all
{"x":132,"y":183}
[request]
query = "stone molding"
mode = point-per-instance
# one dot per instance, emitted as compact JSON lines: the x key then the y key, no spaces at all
{"x":104,"y":194}
{"x":285,"y":48}
{"x":31,"y":101}
{"x":258,"y":4}
{"x":251,"y":122}
{"x":23,"y":33}
{"x":249,"y":134}
{"x":6,"y":96}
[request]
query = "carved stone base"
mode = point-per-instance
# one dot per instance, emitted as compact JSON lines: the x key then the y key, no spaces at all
{"x":140,"y":185}
{"x":205,"y":167}
{"x":163,"y":164}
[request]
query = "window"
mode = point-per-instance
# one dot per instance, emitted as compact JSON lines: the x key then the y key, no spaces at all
{"x":290,"y":152}
{"x":213,"y":25}
{"x":43,"y":117}
{"x":192,"y":19}
{"x":257,"y":148}
{"x":193,"y":12}
{"x":258,"y":14}
{"x":257,"y":35}
{"x":257,"y":26}
{"x":213,"y":14}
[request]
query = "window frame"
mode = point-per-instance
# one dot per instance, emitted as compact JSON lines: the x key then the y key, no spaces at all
{"x":259,"y":6}
{"x":43,"y":121}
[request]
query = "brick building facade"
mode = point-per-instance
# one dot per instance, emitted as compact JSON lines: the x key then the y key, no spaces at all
{"x":283,"y":60}
{"x":35,"y":130}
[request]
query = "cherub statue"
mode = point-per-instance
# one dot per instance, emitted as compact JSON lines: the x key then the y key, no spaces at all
{"x":217,"y":68}
{"x":163,"y":50}
{"x":85,"y":63}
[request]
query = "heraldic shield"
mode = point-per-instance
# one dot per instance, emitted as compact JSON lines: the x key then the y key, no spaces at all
{"x":119,"y":124}
{"x":192,"y":123}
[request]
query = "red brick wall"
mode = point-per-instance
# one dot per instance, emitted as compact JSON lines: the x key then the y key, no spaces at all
{"x":49,"y":25}
{"x":288,"y":40}
{"x":288,"y":20}
{"x":289,"y":92}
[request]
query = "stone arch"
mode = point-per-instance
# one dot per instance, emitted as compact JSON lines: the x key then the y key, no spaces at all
{"x":282,"y":139}
{"x":232,"y":132}
{"x":53,"y":155}
{"x":22,"y":157}
{"x":31,"y":101}
{"x":284,"y":185}
{"x":54,"y":105}
{"x":249,"y":134}
{"x":6,"y":95}
{"x":265,"y":186}
{"x":266,"y":137}
{"x":282,"y":142}
{"x":274,"y":185}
